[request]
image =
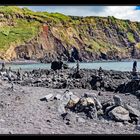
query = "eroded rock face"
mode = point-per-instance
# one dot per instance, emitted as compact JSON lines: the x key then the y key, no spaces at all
{"x":55,"y":38}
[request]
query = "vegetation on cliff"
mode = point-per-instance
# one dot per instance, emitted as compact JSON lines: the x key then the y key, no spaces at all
{"x":90,"y":35}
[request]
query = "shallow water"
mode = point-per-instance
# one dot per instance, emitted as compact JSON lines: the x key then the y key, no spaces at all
{"x":119,"y":66}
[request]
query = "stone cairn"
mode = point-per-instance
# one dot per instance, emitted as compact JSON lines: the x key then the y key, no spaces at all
{"x":134,"y":70}
{"x":88,"y":106}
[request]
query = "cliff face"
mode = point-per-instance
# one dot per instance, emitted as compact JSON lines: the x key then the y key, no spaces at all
{"x":44,"y":36}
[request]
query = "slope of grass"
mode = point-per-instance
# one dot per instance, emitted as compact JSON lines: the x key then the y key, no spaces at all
{"x":23,"y":31}
{"x":130,"y":37}
{"x":27,"y":26}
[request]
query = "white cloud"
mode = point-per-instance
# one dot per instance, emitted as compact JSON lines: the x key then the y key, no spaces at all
{"x":122,"y":12}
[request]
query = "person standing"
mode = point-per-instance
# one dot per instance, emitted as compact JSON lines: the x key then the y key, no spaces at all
{"x":134,"y":70}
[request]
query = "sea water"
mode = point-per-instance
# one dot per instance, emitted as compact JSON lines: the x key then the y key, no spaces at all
{"x":119,"y":66}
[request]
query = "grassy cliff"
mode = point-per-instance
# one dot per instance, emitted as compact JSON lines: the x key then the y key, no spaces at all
{"x":91,"y":36}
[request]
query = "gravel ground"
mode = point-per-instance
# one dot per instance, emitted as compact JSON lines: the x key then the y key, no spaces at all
{"x":22,"y":112}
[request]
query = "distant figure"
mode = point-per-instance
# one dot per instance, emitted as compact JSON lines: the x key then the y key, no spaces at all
{"x":8,"y":75}
{"x":134,"y":70}
{"x":3,"y":67}
{"x":12,"y":86}
{"x":18,"y":75}
{"x":100,"y":72}
{"x":100,"y":69}
{"x":77,"y":66}
{"x":135,"y":66}
{"x":10,"y":69}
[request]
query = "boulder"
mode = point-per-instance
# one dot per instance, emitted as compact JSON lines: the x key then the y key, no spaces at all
{"x":56,"y":65}
{"x":132,"y":110}
{"x":92,"y":97}
{"x":84,"y":104}
{"x":90,"y":101}
{"x":73,"y":101}
{"x":68,"y":94}
{"x":66,"y":97}
{"x":57,"y":97}
{"x":64,"y":101}
{"x":117,"y":100}
{"x":47,"y":97}
{"x":119,"y":114}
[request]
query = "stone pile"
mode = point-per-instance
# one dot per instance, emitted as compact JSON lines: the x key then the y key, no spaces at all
{"x":90,"y":106}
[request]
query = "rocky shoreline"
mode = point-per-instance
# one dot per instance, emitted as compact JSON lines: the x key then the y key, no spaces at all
{"x":81,"y":96}
{"x":100,"y":80}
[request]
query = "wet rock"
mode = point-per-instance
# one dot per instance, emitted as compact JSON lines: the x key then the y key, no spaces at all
{"x":119,"y":114}
{"x":132,"y":110}
{"x":117,"y":100}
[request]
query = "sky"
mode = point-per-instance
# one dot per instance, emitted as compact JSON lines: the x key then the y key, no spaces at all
{"x":122,"y":12}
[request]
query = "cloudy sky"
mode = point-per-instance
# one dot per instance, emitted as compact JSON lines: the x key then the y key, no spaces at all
{"x":123,"y":12}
